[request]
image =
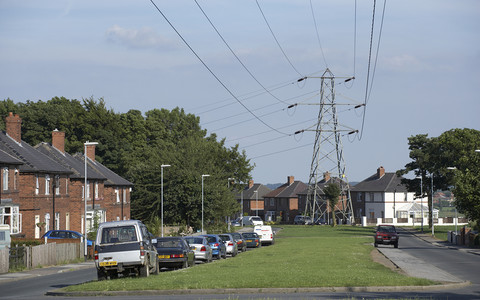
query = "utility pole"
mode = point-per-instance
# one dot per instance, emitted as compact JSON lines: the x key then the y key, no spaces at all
{"x":328,"y":156}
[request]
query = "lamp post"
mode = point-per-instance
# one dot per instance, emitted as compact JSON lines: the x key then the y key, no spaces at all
{"x":456,"y":220}
{"x":161,"y":167}
{"x":203,"y":176}
{"x":433,"y":226}
{"x":421,"y":197}
{"x":87,"y":143}
{"x":228,"y":184}
{"x":256,"y":202}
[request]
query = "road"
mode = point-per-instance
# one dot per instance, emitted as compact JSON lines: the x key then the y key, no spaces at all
{"x":460,"y":264}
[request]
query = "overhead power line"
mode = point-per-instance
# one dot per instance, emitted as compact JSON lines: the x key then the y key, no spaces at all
{"x":211,"y":71}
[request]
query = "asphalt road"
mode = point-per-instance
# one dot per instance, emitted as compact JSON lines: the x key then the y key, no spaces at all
{"x":460,"y":264}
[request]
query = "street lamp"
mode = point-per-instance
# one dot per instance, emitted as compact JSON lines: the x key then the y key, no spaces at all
{"x":433,"y":225}
{"x":456,"y":220}
{"x":256,"y":202}
{"x":161,"y":167}
{"x":421,"y":196}
{"x":203,"y":176}
{"x":87,"y":143}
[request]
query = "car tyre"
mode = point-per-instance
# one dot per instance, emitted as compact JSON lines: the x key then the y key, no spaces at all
{"x":225,"y":254}
{"x":184,"y":265}
{"x":395,"y":245}
{"x":376,"y":245}
{"x":157,"y":267}
{"x":101,"y":275}
{"x":144,"y":271}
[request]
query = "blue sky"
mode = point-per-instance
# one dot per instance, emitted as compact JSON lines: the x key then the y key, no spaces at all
{"x":427,"y":77}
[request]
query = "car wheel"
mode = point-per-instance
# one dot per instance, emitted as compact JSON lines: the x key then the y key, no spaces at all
{"x":144,"y":271}
{"x":395,"y":245}
{"x":376,"y":245}
{"x":101,"y":275}
{"x":157,"y":267}
{"x":225,"y":255}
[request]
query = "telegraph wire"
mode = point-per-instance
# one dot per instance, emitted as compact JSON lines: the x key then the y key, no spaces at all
{"x":276,"y":40}
{"x":236,"y":56}
{"x":211,"y":72}
{"x":318,"y":35}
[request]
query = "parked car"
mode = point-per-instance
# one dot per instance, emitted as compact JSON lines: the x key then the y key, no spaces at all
{"x":252,"y":239}
{"x":219,"y":250}
{"x":237,"y":222}
{"x":201,"y":248}
{"x":265,"y":233}
{"x":256,"y":221}
{"x":302,"y":220}
{"x":124,"y":247}
{"x":386,"y":235}
{"x":5,"y":239}
{"x":230,"y":243}
{"x":242,"y":246}
{"x":65,"y":234}
{"x":174,"y":252}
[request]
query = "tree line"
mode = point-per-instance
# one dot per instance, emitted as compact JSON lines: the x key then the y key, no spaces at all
{"x":135,"y":146}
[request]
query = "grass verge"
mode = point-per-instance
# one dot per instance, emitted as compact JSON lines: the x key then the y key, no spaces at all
{"x":303,"y":256}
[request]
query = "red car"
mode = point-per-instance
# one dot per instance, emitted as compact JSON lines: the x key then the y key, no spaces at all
{"x":386,"y":235}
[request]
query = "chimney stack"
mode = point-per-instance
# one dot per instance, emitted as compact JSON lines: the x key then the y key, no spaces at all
{"x":380,"y":172}
{"x":91,"y":152}
{"x":250,"y":183}
{"x":290,"y":180}
{"x":13,"y":125}
{"x":326,"y":176}
{"x":58,"y":140}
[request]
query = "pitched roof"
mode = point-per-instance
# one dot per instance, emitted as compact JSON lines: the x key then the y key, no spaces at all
{"x":7,"y":159}
{"x":389,"y":182}
{"x":249,"y":193}
{"x":113,"y":179}
{"x":69,"y":162}
{"x":33,"y":160}
{"x":287,"y":191}
{"x":321,"y":184}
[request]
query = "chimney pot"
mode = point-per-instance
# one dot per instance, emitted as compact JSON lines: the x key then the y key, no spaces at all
{"x":58,"y":140}
{"x":13,"y":124}
{"x":326,"y":176}
{"x":250,"y":183}
{"x":290,"y":180}
{"x":380,"y":172}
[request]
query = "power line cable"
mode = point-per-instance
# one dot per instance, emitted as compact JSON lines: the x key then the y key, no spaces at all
{"x":318,"y":35}
{"x":211,"y":71}
{"x":276,"y":40}
{"x":236,"y":56}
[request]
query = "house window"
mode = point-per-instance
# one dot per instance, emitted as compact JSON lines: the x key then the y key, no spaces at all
{"x":117,"y":195}
{"x":88,"y":189}
{"x":37,"y":185}
{"x":124,"y":195}
{"x":405,"y":197}
{"x":15,"y":179}
{"x":10,"y":215}
{"x":47,"y":184}
{"x":272,"y":202}
{"x":57,"y":221}
{"x":66,"y":186}
{"x":96,"y":189}
{"x":47,"y":222}
{"x":371,"y":195}
{"x":57,"y":185}
{"x":5,"y":178}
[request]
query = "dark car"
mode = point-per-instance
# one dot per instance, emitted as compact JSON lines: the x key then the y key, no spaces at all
{"x":242,"y":246}
{"x":252,"y":239}
{"x":64,"y":234}
{"x":218,"y":246}
{"x":174,"y":252}
{"x":386,"y":235}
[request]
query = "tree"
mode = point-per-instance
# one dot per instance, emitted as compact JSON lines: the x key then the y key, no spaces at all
{"x":332,"y":192}
{"x":433,"y":156}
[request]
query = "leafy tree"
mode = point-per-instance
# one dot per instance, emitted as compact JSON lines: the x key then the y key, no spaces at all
{"x":332,"y":192}
{"x":433,"y":156}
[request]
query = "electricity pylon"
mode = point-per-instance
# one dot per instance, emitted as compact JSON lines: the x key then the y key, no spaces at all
{"x":328,"y":157}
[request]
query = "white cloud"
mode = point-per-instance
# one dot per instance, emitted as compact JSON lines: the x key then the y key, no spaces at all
{"x":143,"y":38}
{"x":404,"y":62}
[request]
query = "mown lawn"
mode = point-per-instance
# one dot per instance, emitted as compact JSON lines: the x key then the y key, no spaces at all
{"x":303,"y":256}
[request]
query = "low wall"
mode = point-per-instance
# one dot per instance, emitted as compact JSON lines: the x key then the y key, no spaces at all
{"x":4,"y":260}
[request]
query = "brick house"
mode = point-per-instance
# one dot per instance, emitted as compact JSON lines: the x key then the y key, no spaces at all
{"x":323,"y":203}
{"x":9,"y":192}
{"x":252,"y":199}
{"x":43,"y":198}
{"x":283,"y":201}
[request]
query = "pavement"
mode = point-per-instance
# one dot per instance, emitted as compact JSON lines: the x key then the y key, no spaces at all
{"x":409,"y":264}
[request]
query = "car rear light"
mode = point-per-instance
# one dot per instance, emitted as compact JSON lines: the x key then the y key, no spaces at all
{"x":142,"y":251}
{"x":230,"y":243}
{"x":96,"y":255}
{"x":215,"y":245}
{"x":203,"y":249}
{"x":176,"y":255}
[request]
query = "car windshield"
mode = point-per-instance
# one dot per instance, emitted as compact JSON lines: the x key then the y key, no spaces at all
{"x":256,"y":219}
{"x":386,"y":229}
{"x":250,"y":235}
{"x":193,"y":240}
{"x":211,"y":239}
{"x":170,"y":243}
{"x":225,"y":237}
{"x":119,"y":234}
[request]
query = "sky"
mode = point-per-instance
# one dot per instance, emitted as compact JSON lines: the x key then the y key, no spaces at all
{"x":236,"y":65}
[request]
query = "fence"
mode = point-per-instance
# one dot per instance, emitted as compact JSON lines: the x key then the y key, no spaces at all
{"x":29,"y":257}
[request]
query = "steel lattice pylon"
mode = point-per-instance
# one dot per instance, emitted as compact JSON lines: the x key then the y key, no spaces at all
{"x":328,"y":157}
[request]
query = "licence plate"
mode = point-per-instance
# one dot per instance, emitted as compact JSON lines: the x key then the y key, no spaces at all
{"x":164,"y":256}
{"x":249,"y":241}
{"x":108,"y":263}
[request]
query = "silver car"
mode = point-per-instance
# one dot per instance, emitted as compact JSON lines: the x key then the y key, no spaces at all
{"x":199,"y":244}
{"x":230,"y":243}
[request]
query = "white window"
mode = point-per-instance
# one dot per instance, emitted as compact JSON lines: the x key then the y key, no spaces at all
{"x":124,"y":195}
{"x":57,"y":221}
{"x":5,"y":178}
{"x":47,"y":222}
{"x":272,"y":202}
{"x":10,"y":215}
{"x":37,"y":226}
{"x":47,"y":184}
{"x":15,"y":179}
{"x":88,"y":189}
{"x":37,"y":186}
{"x":96,"y":189}
{"x":117,"y":196}
{"x":57,"y":185}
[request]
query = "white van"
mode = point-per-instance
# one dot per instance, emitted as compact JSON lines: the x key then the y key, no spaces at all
{"x":266,"y":234}
{"x":125,"y":247}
